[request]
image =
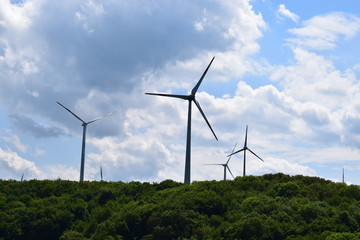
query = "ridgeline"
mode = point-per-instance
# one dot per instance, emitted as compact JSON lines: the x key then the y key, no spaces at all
{"x":272,"y":206}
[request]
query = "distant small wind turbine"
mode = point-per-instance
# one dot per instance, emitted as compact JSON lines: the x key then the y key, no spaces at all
{"x":84,"y":124}
{"x":101,"y":173}
{"x":244,"y":149}
{"x":343,"y":176}
{"x":190,"y":98}
{"x":22,"y":177}
{"x":226,"y":166}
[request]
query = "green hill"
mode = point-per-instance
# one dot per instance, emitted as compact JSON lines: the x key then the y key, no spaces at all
{"x":272,"y":206}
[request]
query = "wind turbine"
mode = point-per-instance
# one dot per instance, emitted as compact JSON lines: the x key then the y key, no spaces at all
{"x":22,"y":177}
{"x":244,"y":149}
{"x":190,"y":98}
{"x":84,"y":124}
{"x":101,"y":174}
{"x":225,"y":165}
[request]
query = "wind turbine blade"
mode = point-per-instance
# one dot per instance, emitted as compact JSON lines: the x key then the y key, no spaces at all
{"x":230,"y":171}
{"x":255,"y":154}
{"x":185,"y":97}
{"x":245,"y":144}
{"x":72,"y":113}
{"x":202,"y":113}
{"x":231,"y":153}
{"x":215,"y":164}
{"x":194,"y":90}
{"x":234,"y":148}
{"x":236,"y":152}
{"x":106,"y":115}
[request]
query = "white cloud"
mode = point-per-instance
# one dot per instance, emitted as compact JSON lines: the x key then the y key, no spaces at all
{"x":12,"y":162}
{"x":15,"y":141}
{"x":322,"y":109}
{"x":325,"y":31}
{"x":16,"y":17}
{"x":61,"y":172}
{"x":283,"y":11}
{"x":275,"y":165}
{"x":137,"y":158}
{"x":314,"y":78}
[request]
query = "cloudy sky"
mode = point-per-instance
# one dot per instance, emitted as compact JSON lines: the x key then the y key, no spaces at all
{"x":288,"y":69}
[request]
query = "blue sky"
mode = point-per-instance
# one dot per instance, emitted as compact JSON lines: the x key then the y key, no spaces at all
{"x":287,"y":69}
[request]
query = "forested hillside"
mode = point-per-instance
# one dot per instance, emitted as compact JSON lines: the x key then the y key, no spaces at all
{"x":273,"y":206}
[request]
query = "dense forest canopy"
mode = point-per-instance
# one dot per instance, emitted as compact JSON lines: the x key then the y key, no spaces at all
{"x":272,"y":206}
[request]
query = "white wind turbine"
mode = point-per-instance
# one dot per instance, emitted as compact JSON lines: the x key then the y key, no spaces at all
{"x":84,"y":124}
{"x":244,"y":149}
{"x":226,"y":166}
{"x":190,"y":98}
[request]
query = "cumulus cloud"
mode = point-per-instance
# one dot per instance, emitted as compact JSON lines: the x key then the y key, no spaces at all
{"x":319,"y":91}
{"x":110,"y":50}
{"x":12,"y":162}
{"x":314,"y":78}
{"x":122,"y":159}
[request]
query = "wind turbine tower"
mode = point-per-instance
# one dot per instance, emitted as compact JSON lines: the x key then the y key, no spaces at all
{"x":244,"y":149}
{"x":190,"y":98}
{"x":84,"y":124}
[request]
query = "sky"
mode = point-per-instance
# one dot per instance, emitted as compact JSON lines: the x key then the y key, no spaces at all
{"x":288,"y":69}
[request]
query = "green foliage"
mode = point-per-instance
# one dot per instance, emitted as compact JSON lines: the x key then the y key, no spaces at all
{"x":72,"y":235}
{"x":269,"y":207}
{"x":343,"y":236}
